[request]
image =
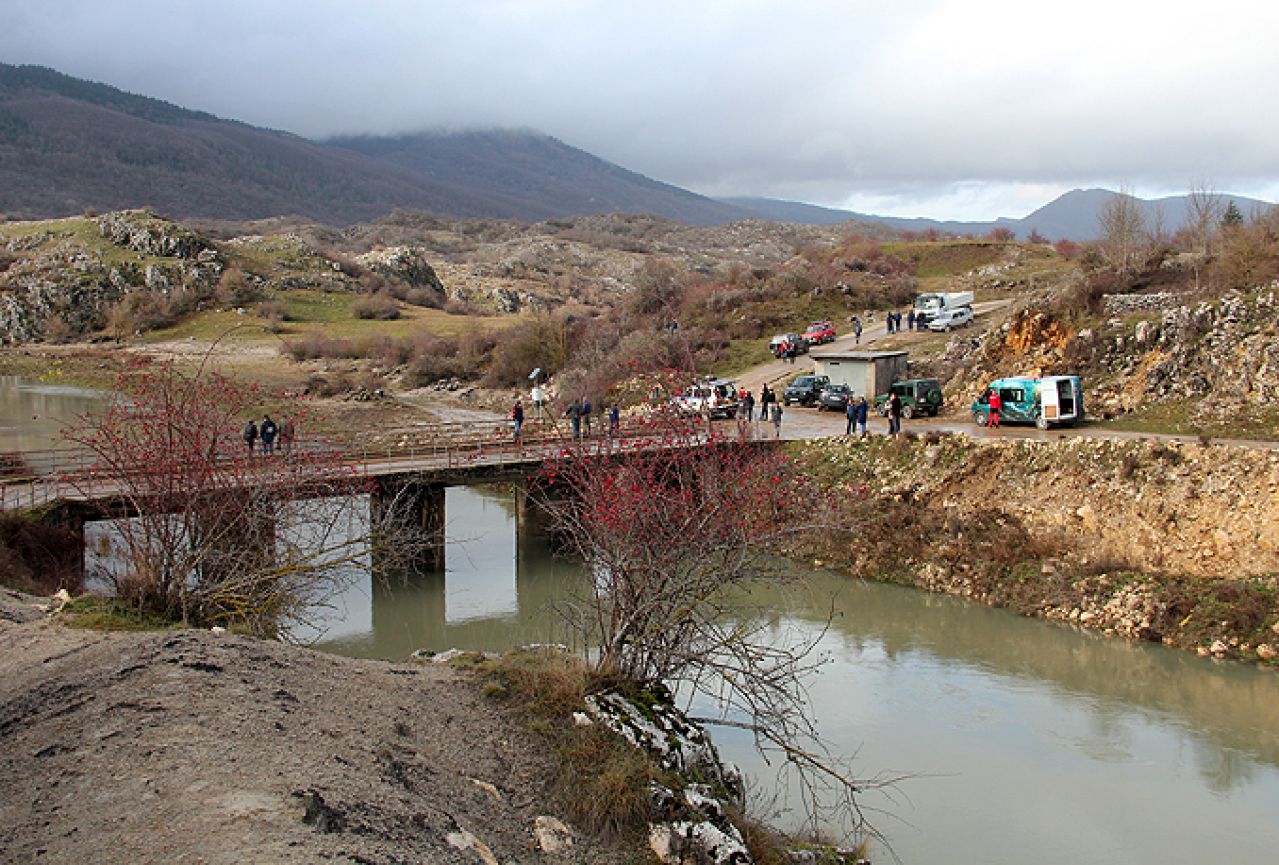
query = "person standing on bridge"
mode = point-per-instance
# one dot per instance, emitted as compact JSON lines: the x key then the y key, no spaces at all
{"x":863,"y":412}
{"x":574,"y":415}
{"x":539,"y":396}
{"x":748,"y":400}
{"x":517,"y":421}
{"x":894,"y":414}
{"x":586,"y":416}
{"x":250,"y":436}
{"x":287,"y":435}
{"x":268,"y":432}
{"x":777,"y":419}
{"x":614,"y":419}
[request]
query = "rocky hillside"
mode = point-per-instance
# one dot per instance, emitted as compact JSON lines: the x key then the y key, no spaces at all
{"x":1215,"y":360}
{"x":1122,"y":536}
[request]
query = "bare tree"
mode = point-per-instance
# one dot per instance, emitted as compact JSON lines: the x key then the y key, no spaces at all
{"x":1204,"y":210}
{"x":1122,"y":231}
{"x":674,"y":537}
{"x":207,"y":530}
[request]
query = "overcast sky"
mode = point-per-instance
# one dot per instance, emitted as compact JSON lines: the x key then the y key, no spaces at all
{"x":965,"y":109}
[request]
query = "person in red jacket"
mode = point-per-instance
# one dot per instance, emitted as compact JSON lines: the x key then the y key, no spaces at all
{"x":996,"y":406}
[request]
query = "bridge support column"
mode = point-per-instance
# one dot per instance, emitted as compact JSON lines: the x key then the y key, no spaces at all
{"x":68,"y":560}
{"x":412,"y":506}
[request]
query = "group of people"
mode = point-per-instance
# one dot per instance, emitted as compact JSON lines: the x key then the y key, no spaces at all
{"x":770,"y":408}
{"x":857,"y":412}
{"x":580,"y":411}
{"x":893,"y":321}
{"x":267,"y":433}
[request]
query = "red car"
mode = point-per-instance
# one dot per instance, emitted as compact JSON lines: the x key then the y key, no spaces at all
{"x":820,"y":332}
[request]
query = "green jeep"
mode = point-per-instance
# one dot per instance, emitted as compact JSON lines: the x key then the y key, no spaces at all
{"x":919,"y":396}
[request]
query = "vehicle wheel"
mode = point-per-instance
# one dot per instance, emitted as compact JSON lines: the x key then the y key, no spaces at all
{"x":907,"y":412}
{"x":1041,"y":422}
{"x":981,"y":418}
{"x":785,"y":402}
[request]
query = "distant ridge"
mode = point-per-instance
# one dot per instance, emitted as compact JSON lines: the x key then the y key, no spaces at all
{"x":67,"y":145}
{"x":1074,"y":215}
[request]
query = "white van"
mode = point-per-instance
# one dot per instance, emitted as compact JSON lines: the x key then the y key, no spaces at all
{"x":948,"y":319}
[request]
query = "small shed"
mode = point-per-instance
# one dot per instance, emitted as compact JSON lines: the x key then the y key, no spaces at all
{"x":867,"y":373}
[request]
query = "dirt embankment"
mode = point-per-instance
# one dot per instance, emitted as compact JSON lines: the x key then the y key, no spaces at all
{"x":191,"y":747}
{"x":1153,"y":540}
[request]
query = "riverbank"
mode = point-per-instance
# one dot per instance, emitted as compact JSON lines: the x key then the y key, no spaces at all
{"x":1150,"y":540}
{"x":193,"y":746}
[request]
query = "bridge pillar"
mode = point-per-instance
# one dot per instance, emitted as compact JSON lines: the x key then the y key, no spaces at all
{"x":398,"y":505}
{"x":68,"y":560}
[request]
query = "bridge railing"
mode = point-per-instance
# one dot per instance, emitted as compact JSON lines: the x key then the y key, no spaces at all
{"x":33,"y":478}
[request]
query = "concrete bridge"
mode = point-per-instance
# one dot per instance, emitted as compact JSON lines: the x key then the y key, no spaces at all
{"x":407,"y":471}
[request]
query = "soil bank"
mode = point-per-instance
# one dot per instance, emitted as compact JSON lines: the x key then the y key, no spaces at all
{"x":194,"y":747}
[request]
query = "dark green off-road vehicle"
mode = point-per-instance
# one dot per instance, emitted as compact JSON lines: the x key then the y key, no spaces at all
{"x":919,"y":396}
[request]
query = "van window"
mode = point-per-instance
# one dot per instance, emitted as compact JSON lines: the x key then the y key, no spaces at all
{"x":1012,"y":394}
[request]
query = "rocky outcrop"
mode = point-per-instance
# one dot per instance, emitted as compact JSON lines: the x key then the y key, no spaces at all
{"x":62,"y":284}
{"x":149,"y":234}
{"x":691,"y":824}
{"x":408,"y":264}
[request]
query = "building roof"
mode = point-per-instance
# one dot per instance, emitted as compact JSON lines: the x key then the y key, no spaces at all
{"x":855,"y":355}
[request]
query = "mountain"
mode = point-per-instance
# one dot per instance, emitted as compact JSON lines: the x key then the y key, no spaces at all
{"x":67,"y":145}
{"x":1075,"y":215}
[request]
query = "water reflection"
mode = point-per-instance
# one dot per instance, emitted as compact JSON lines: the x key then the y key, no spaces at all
{"x":491,"y":595}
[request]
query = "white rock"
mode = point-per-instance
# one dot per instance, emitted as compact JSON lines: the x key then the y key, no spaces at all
{"x":1218,"y":647}
{"x":1267,"y":652}
{"x":63,"y":596}
{"x":582,"y":719}
{"x":552,"y":835}
{"x":487,"y":788}
{"x":464,"y":840}
{"x":217,"y":629}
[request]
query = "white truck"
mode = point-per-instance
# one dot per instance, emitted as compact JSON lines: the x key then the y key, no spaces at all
{"x":931,"y":303}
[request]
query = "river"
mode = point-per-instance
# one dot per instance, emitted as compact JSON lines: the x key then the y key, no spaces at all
{"x":32,"y":413}
{"x":1025,"y":741}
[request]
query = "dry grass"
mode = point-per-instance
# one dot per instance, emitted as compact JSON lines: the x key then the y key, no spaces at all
{"x":603,"y":781}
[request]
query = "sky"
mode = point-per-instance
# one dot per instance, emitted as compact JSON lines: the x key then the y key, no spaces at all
{"x":951,"y":109}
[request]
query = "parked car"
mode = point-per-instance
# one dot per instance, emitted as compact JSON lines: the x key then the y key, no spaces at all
{"x":919,"y":396}
{"x":948,"y":319}
{"x":834,"y":397}
{"x":1045,"y":402}
{"x":719,"y":397}
{"x":820,"y":333}
{"x":805,"y":389}
{"x":775,"y":344}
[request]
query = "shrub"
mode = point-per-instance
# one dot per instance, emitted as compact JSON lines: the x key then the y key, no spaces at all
{"x":381,"y":307}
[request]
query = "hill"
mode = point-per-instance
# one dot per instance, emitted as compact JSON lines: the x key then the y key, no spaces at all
{"x":1074,"y":215}
{"x":67,"y":145}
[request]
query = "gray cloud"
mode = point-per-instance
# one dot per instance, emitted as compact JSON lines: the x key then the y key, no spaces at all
{"x":968,"y":108}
